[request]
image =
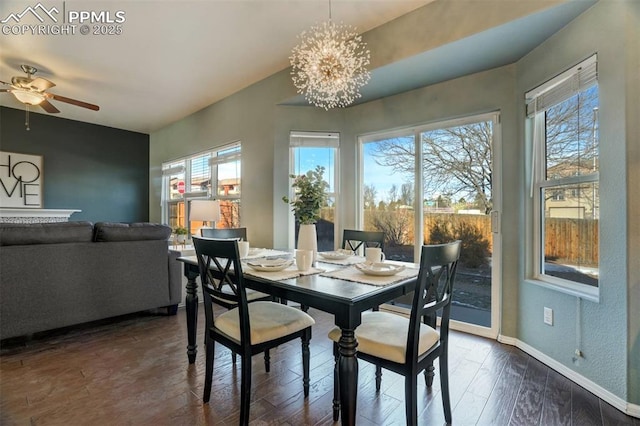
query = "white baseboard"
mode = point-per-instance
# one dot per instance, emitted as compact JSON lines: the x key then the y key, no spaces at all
{"x":594,"y":388}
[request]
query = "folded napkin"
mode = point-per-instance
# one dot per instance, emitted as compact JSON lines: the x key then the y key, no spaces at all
{"x":353,"y":274}
{"x":285,"y":274}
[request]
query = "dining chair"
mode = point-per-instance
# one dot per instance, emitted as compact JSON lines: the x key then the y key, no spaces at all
{"x":249,"y":328}
{"x":252,"y":295}
{"x":353,"y":240}
{"x":408,"y":346}
{"x":225,"y":233}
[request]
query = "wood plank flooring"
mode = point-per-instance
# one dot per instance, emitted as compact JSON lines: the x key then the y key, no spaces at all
{"x":134,"y":371}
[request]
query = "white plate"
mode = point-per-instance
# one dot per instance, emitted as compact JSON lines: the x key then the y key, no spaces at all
{"x":335,"y":255}
{"x":379,"y":269}
{"x":271,"y":265}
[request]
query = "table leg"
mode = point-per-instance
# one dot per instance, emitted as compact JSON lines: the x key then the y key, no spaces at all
{"x":348,"y":372}
{"x":191,"y":305}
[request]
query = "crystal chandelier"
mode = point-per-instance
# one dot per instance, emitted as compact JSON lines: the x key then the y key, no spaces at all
{"x":329,"y":64}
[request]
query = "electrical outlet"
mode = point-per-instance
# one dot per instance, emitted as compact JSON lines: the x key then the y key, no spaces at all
{"x":548,"y":316}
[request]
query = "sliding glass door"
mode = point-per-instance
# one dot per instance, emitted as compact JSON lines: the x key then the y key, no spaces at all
{"x":453,"y":196}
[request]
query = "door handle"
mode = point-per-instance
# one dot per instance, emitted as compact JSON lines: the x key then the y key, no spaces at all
{"x":495,"y":221}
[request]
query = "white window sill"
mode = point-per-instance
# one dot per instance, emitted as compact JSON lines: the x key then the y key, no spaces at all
{"x":582,"y":291}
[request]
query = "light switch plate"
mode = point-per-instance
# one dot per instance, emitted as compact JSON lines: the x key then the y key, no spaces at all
{"x":548,"y":316}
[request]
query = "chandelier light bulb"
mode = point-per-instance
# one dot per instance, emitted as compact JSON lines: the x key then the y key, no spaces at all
{"x":329,"y":65}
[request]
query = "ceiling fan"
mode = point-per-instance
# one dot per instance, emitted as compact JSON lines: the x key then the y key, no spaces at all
{"x":33,"y":92}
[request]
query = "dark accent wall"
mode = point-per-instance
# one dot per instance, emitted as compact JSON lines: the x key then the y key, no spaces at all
{"x":100,"y":170}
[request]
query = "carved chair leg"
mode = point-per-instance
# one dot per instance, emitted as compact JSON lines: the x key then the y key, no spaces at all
{"x":306,"y":355}
{"x":429,"y":375}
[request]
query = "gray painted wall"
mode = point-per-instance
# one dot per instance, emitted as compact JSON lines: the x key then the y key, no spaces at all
{"x":603,"y":327}
{"x":632,"y":108}
{"x":100,"y":170}
{"x":610,"y":327}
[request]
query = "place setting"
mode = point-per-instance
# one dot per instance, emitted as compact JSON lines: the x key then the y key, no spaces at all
{"x":282,"y":268}
{"x":375,"y":270}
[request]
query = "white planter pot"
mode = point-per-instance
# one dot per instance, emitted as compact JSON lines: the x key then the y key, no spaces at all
{"x":308,"y":240}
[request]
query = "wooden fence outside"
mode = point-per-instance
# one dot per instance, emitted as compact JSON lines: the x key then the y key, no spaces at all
{"x":573,"y":241}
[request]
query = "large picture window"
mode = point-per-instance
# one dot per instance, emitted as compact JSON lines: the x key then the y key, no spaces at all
{"x":212,"y":174}
{"x":564,"y":117}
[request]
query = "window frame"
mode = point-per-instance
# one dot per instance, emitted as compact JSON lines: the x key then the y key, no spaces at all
{"x":540,"y":181}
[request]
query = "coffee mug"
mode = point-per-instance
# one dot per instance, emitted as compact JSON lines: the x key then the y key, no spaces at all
{"x":304,"y":259}
{"x":374,"y":254}
{"x":243,"y":248}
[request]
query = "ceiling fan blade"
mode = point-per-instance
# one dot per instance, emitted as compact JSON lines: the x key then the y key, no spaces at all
{"x":73,"y":101}
{"x":4,"y":90}
{"x":5,"y":83}
{"x":41,"y":84}
{"x":48,"y":106}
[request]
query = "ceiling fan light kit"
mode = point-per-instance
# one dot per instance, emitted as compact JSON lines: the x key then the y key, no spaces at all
{"x":33,"y":92}
{"x":28,"y":97}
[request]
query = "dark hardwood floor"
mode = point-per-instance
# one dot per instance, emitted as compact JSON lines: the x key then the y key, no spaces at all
{"x":134,"y":371}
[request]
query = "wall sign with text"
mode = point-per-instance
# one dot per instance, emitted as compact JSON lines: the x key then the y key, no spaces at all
{"x":20,"y":180}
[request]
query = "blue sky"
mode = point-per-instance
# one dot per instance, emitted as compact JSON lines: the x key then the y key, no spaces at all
{"x":381,"y":177}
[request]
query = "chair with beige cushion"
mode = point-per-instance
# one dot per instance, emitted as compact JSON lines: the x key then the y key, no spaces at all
{"x":239,"y":234}
{"x":408,"y":346}
{"x":249,"y":328}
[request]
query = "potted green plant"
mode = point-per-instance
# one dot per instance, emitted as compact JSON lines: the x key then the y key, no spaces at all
{"x":310,"y":195}
{"x":181,"y":234}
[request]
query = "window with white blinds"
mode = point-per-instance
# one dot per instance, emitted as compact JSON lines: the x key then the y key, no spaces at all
{"x":214,"y":174}
{"x":564,"y":115}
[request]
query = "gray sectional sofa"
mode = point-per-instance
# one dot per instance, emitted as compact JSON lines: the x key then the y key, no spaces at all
{"x":59,"y":274}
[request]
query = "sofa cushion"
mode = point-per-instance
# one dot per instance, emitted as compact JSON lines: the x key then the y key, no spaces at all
{"x":13,"y":234}
{"x":112,"y":231}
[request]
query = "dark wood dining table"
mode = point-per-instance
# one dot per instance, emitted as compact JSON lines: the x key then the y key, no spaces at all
{"x":346,"y":300}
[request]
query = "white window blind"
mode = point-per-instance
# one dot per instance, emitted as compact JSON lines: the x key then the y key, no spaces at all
{"x":173,"y":170}
{"x":562,"y":87}
{"x":317,"y":139}
{"x":225,"y":158}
